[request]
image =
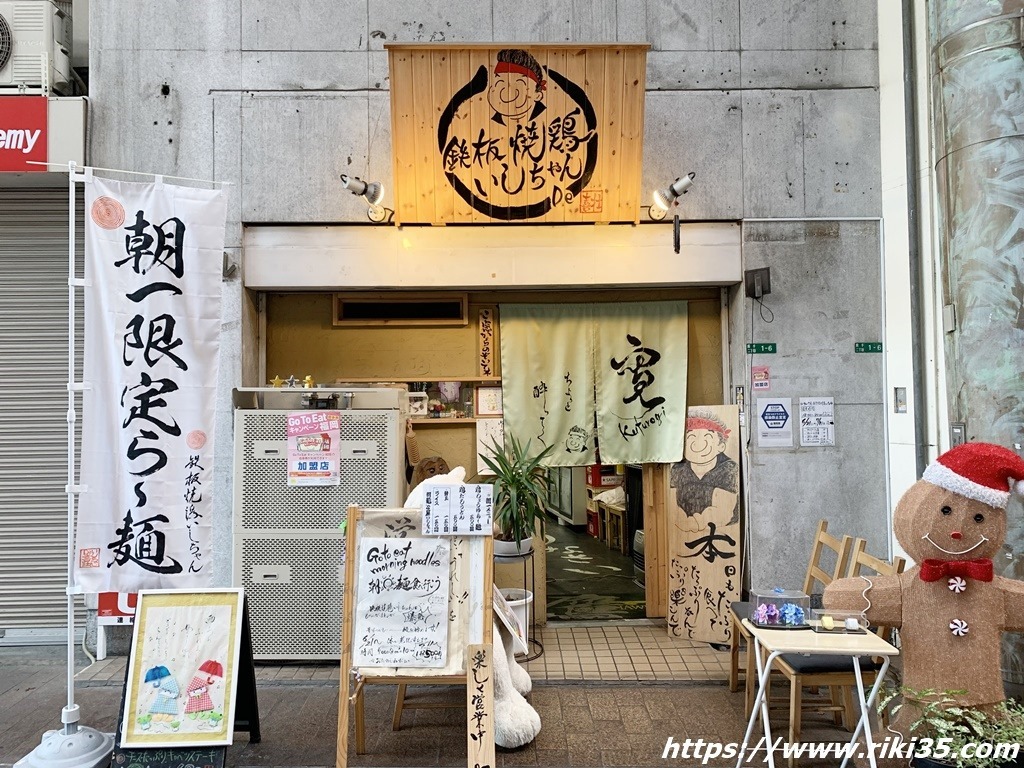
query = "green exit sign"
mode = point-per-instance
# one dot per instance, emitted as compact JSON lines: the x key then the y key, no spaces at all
{"x":761,"y":349}
{"x":867,"y":346}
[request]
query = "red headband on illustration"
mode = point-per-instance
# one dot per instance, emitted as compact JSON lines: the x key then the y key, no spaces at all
{"x":519,"y":69}
{"x":698,"y":422}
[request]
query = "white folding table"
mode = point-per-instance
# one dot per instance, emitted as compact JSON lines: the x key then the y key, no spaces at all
{"x":807,"y":641}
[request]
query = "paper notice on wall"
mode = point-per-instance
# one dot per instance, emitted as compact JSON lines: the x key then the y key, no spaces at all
{"x":401,"y":617}
{"x":458,"y":510}
{"x":817,"y":421}
{"x":314,"y":448}
{"x":489,"y":433}
{"x":774,"y":422}
{"x":761,"y":377}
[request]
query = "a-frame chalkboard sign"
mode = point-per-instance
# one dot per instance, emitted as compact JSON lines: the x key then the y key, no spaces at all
{"x":247,"y":718}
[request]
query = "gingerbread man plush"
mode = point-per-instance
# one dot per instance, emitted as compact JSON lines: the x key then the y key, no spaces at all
{"x":950,"y":608}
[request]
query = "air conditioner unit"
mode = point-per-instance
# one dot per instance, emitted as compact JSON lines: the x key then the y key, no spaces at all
{"x":289,"y":546}
{"x":35,"y":47}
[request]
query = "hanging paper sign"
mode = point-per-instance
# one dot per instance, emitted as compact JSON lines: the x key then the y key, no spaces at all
{"x":761,"y":377}
{"x":458,"y":510}
{"x":774,"y":422}
{"x":314,"y":448}
{"x":402,"y":603}
{"x":817,"y":421}
{"x":485,"y":366}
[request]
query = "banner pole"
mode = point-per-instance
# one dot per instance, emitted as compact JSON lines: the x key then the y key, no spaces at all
{"x":70,"y":715}
{"x":86,"y":747}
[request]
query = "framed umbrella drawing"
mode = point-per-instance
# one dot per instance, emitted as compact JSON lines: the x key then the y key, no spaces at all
{"x":183,"y":668}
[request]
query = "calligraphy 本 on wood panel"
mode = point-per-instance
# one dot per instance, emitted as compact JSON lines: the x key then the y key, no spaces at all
{"x":704,"y":527}
{"x":401,"y":615}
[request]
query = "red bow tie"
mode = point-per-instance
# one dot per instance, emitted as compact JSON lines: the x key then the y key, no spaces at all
{"x":933,"y":570}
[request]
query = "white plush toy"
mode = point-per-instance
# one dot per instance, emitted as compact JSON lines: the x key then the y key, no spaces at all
{"x":516,"y":722}
{"x":415,"y":501}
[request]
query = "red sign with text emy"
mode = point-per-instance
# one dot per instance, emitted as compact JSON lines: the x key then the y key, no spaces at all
{"x":22,"y":133}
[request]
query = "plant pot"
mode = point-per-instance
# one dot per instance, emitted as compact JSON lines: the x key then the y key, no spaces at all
{"x":512,"y":548}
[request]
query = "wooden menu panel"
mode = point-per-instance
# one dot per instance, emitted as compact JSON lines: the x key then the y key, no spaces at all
{"x":702,"y":501}
{"x":517,"y":133}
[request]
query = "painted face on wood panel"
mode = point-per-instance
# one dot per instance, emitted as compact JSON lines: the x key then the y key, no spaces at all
{"x":931,"y":522}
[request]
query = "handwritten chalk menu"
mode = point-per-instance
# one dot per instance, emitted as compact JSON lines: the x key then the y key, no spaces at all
{"x":314,"y":448}
{"x":401,"y":603}
{"x":458,"y":510}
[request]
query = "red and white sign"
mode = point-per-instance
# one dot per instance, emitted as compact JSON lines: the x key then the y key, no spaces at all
{"x":22,"y":133}
{"x":314,"y":449}
{"x":116,"y":607}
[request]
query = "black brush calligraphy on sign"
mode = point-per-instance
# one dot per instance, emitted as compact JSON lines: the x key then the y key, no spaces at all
{"x":535,"y":161}
{"x":147,"y":406}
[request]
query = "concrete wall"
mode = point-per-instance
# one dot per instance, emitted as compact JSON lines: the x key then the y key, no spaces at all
{"x":773,"y":103}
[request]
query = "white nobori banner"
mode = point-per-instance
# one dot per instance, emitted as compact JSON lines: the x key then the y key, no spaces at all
{"x":152,"y":329}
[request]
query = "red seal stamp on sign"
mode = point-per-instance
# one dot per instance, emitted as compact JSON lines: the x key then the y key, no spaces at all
{"x":195,"y":439}
{"x":592,"y":201}
{"x":107,"y":213}
{"x":89,"y":558}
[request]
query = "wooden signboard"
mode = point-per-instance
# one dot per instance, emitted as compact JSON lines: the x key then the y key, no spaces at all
{"x":517,"y":133}
{"x":417,"y":610}
{"x":702,"y":502}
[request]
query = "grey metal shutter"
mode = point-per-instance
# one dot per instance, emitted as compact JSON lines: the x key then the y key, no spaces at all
{"x":33,"y":405}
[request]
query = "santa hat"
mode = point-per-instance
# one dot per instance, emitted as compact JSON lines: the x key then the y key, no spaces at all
{"x":980,"y":471}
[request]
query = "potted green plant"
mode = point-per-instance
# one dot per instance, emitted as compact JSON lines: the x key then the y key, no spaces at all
{"x":943,"y":728}
{"x":520,"y":490}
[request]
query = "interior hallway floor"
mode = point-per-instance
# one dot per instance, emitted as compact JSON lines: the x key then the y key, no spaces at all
{"x":589,"y":581}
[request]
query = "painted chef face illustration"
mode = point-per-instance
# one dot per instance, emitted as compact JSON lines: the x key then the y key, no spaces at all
{"x":702,"y":445}
{"x":517,"y":87}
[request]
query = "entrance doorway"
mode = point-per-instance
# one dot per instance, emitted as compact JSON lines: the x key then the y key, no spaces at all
{"x":595,"y":568}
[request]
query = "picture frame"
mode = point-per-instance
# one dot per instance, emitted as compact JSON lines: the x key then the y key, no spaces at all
{"x":183,"y":668}
{"x":511,"y":622}
{"x":488,"y":402}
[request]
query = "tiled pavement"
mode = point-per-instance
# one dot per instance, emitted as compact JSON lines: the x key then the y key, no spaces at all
{"x":624,"y":651}
{"x":588,"y":719}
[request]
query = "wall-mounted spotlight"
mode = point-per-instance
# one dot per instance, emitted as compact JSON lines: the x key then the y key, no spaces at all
{"x":373,"y":192}
{"x":663,"y":198}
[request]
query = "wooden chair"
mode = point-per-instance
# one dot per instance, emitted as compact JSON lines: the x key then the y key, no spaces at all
{"x":836,"y":672}
{"x":816,"y":574}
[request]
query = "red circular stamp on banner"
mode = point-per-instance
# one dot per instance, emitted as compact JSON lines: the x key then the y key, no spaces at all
{"x":107,"y":213}
{"x":195,"y":439}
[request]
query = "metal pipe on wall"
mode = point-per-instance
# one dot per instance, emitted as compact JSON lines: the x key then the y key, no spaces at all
{"x":977,"y":81}
{"x":910,"y":71}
